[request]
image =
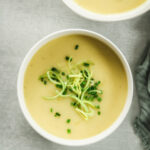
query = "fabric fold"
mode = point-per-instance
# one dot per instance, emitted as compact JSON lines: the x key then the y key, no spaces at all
{"x":142,"y":80}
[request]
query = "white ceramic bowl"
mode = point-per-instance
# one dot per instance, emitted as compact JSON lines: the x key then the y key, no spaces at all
{"x":112,"y":17}
{"x":26,"y":113}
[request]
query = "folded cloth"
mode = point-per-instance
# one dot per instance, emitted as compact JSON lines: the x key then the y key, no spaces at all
{"x":142,"y":80}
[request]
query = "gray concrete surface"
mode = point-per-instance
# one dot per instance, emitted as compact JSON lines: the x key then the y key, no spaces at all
{"x":24,"y":22}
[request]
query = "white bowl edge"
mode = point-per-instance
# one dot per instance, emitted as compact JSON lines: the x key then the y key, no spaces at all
{"x":107,"y":17}
{"x":27,"y":115}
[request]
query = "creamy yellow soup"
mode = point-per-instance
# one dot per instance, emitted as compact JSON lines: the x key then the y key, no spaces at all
{"x":108,"y":69}
{"x":109,"y":6}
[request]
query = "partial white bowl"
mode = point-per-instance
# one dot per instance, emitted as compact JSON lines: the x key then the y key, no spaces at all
{"x":23,"y":106}
{"x":104,"y":17}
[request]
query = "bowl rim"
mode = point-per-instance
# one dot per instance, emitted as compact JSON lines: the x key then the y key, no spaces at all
{"x":108,"y":17}
{"x":24,"y":109}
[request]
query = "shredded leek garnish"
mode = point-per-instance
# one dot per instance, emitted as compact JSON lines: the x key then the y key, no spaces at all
{"x":76,"y":83}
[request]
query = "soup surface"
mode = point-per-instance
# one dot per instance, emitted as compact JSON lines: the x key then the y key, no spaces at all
{"x":109,"y":6}
{"x":108,"y":69}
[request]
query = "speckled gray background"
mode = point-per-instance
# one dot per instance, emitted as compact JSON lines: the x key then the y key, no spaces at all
{"x":24,"y":22}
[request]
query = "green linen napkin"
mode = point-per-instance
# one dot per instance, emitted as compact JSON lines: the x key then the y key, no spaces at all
{"x":142,"y":80}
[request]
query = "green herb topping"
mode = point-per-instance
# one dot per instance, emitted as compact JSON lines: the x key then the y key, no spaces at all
{"x":73,"y":103}
{"x":57,"y":114}
{"x":77,"y":83}
{"x":68,"y":58}
{"x":63,"y":73}
{"x":55,"y":70}
{"x":97,"y":106}
{"x":68,"y":120}
{"x":68,"y":131}
{"x":59,"y":86}
{"x":42,"y":79}
{"x":45,"y":82}
{"x":99,"y":99}
{"x":86,"y":64}
{"x":76,"y":47}
{"x":51,"y":109}
{"x":98,"y":112}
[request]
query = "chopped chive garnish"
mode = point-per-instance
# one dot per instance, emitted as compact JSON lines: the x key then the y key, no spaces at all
{"x":42,"y":79}
{"x":97,"y":106}
{"x":63,"y":73}
{"x":99,"y":99}
{"x":55,"y":79}
{"x":57,"y":114}
{"x":65,"y":92}
{"x":70,"y":90}
{"x":68,"y":131}
{"x":70,"y":59}
{"x":86,"y":73}
{"x":86,"y":64}
{"x":77,"y":84}
{"x":51,"y":109}
{"x":97,"y":83}
{"x":55,"y":70}
{"x":73,"y":103}
{"x":59,"y":86}
{"x":83,"y":84}
{"x":98,"y":112}
{"x":67,"y":77}
{"x":68,"y":120}
{"x":45,"y":82}
{"x":92,"y":92}
{"x":76,"y":47}
{"x":67,"y":58}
